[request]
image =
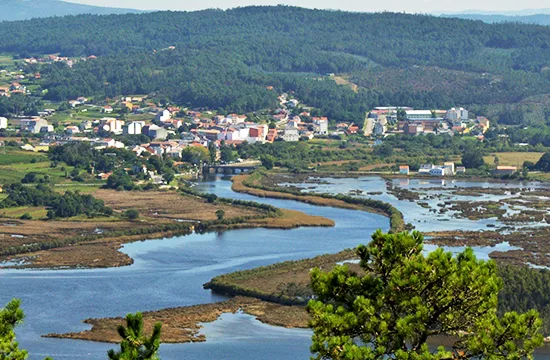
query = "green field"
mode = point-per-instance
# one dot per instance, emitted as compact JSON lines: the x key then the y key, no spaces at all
{"x":16,"y":156}
{"x":16,"y":212}
{"x":513,"y":158}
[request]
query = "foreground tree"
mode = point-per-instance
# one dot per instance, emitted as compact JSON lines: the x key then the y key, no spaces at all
{"x":404,"y":298}
{"x":135,"y":345}
{"x":10,"y":316}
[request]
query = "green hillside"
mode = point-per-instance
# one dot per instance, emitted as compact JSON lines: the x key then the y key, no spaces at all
{"x":226,"y":59}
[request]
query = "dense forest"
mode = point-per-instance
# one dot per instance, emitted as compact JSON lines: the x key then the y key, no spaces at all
{"x":227,"y":59}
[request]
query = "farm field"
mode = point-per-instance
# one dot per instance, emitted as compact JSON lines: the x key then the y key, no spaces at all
{"x":513,"y":158}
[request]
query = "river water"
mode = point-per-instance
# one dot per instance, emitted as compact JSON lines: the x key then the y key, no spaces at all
{"x":171,"y":272}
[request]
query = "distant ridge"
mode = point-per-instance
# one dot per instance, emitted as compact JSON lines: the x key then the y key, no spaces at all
{"x":13,"y":10}
{"x":539,"y":19}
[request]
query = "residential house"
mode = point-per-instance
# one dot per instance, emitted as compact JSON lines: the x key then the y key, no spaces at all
{"x":133,"y":128}
{"x":3,"y":123}
{"x":17,"y":87}
{"x":271,"y":135}
{"x":504,"y":170}
{"x":157,"y":132}
{"x":85,"y":125}
{"x":437,"y":171}
{"x":482,"y":123}
{"x":425,"y":168}
{"x":449,"y":167}
{"x":321,"y":125}
{"x":352,"y":129}
{"x":107,"y":109}
{"x":71,"y":130}
{"x":404,"y":169}
{"x":163,"y":116}
{"x":291,"y":134}
{"x":111,"y":125}
{"x":461,"y":170}
{"x":35,"y":125}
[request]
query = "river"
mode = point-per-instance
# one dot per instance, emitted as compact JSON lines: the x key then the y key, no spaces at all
{"x":171,"y":272}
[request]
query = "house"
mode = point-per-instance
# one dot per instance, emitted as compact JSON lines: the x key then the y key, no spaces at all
{"x":35,"y":125}
{"x":425,"y":168}
{"x":352,"y":129}
{"x":85,"y":125}
{"x":163,"y":115}
{"x":449,"y":167}
{"x":157,"y":132}
{"x":71,"y":130}
{"x":291,"y":134}
{"x":5,"y":91}
{"x":482,"y":123}
{"x":461,"y":170}
{"x":111,"y":125}
{"x":271,"y":135}
{"x":321,"y":125}
{"x":107,"y":109}
{"x":3,"y":123}
{"x":133,"y":128}
{"x":404,"y":169}
{"x":438,"y":171}
{"x":17,"y":87}
{"x":504,"y":170}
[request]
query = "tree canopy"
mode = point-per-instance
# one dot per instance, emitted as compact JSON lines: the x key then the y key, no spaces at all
{"x":402,"y":298}
{"x":135,"y":344}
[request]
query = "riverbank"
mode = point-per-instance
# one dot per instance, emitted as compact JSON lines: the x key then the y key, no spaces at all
{"x":183,"y":324}
{"x":274,"y":294}
{"x":95,"y":243}
{"x":257,"y":184}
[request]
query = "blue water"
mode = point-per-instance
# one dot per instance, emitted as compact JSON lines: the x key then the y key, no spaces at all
{"x":171,"y":272}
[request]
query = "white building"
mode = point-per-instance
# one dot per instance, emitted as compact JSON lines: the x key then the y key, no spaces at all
{"x":321,"y":125}
{"x":133,"y":128}
{"x":163,"y":115}
{"x":291,"y":134}
{"x":421,"y":115}
{"x":457,"y":115}
{"x":3,"y":123}
{"x":112,"y":125}
{"x":35,"y":125}
{"x":425,"y":168}
{"x":438,"y":171}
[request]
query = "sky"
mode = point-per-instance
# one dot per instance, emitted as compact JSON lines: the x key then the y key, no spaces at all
{"x":411,"y":6}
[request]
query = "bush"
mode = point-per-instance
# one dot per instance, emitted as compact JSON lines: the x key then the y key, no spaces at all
{"x":26,"y":216}
{"x":131,"y":214}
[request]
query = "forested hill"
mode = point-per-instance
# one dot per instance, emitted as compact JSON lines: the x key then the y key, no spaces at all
{"x":226,"y":59}
{"x":12,"y":10}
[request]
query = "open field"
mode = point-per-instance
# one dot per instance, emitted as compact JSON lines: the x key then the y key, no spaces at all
{"x":344,"y":80}
{"x":513,"y":158}
{"x":14,"y":172}
{"x":94,"y":242}
{"x":169,"y":205}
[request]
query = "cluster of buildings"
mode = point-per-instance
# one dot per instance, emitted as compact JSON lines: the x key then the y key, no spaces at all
{"x":446,"y":169}
{"x":54,"y":58}
{"x":409,"y":121}
{"x":14,"y":88}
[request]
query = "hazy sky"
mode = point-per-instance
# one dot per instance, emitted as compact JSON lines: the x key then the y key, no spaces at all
{"x":415,"y":6}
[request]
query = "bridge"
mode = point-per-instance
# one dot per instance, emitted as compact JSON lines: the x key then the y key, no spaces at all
{"x":235,"y":168}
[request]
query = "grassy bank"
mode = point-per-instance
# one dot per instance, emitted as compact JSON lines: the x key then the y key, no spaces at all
{"x":182,"y":324}
{"x":254,"y":184}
